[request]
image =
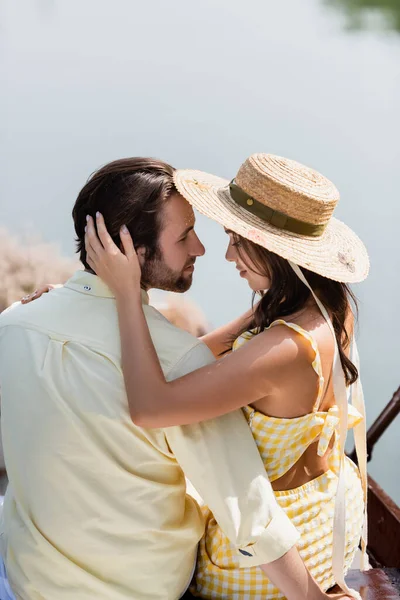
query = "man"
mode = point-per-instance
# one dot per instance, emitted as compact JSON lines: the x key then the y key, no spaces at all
{"x":96,"y":507}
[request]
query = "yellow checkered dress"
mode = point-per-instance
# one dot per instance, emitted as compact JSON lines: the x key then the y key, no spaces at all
{"x":281,"y":442}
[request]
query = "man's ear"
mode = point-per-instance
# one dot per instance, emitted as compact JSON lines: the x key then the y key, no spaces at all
{"x":141,"y":252}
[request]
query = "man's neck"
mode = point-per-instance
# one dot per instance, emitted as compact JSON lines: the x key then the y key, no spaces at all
{"x":145,"y":288}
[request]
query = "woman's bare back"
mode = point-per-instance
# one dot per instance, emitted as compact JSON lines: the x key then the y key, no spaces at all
{"x":296,"y":391}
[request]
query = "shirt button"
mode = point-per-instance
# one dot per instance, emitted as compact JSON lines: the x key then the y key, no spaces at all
{"x":245,"y":553}
{"x":87,"y":288}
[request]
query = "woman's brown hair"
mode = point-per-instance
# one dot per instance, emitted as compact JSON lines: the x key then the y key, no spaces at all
{"x":287,"y":295}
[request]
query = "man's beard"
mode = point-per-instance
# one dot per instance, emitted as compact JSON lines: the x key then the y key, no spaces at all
{"x":156,"y":274}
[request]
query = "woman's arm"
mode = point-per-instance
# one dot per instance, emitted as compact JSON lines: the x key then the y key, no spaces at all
{"x":291,"y":576}
{"x":238,"y":379}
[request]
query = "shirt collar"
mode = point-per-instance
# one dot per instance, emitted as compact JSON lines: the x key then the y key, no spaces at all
{"x":88,"y":283}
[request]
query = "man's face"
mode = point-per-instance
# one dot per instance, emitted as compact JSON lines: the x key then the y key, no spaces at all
{"x":172,"y":268}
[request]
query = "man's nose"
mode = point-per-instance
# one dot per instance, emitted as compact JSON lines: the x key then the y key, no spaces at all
{"x":198,"y":248}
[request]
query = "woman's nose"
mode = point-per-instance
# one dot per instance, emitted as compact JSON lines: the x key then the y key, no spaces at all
{"x":230,"y":254}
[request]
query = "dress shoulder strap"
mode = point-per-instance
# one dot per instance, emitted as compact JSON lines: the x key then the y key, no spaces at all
{"x":316,"y":363}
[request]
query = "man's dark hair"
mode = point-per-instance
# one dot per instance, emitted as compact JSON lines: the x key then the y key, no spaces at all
{"x":131,"y":192}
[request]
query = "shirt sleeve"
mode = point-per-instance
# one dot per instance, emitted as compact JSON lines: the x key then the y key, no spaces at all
{"x":221,"y":460}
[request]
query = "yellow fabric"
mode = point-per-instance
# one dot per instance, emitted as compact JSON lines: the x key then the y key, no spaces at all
{"x":96,"y":507}
{"x":310,"y":507}
{"x":342,"y":395}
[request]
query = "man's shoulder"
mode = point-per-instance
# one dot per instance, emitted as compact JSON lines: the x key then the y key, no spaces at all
{"x":11,"y":315}
{"x":67,"y":313}
{"x":175,"y":346}
{"x":160,"y":327}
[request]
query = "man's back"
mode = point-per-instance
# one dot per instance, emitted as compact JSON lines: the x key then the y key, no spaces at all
{"x":96,"y":507}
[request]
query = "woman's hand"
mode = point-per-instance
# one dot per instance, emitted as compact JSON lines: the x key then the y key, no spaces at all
{"x":337,"y":594}
{"x":290,"y":574}
{"x":37,"y":293}
{"x":119,"y":270}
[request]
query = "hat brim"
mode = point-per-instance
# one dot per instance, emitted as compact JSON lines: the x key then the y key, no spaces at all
{"x":337,"y":254}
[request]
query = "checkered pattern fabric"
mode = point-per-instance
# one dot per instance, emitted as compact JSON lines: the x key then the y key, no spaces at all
{"x":311,"y":506}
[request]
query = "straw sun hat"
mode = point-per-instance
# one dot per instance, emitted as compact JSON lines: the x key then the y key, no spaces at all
{"x":284,"y":207}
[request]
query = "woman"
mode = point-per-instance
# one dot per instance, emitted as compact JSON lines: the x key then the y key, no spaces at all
{"x":289,"y":368}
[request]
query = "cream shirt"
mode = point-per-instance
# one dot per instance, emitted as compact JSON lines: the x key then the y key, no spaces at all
{"x":96,"y":507}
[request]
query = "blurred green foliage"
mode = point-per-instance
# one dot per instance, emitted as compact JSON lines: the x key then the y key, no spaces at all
{"x":358,"y":13}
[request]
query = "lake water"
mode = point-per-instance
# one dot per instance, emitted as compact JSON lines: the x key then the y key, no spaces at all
{"x":204,"y":85}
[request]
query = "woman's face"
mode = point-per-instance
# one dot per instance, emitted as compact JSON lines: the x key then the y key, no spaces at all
{"x":246,"y":267}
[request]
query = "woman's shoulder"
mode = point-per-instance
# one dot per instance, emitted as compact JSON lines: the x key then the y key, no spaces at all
{"x":280,"y":341}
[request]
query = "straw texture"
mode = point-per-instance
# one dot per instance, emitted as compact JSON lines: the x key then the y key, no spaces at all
{"x":291,"y":188}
